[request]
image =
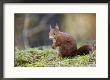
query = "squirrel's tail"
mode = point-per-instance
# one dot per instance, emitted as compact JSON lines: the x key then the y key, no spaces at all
{"x":86,"y":49}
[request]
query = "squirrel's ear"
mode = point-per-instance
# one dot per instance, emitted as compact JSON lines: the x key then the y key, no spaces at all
{"x":57,"y":26}
{"x":50,"y":27}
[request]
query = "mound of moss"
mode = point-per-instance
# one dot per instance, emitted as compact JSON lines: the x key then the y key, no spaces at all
{"x":34,"y":57}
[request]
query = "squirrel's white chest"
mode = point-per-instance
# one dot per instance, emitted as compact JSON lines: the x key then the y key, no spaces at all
{"x":57,"y":50}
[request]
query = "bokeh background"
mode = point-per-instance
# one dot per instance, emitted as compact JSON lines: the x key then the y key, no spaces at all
{"x":31,"y":30}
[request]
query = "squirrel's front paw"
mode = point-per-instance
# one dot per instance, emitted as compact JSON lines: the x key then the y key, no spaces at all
{"x":53,"y":47}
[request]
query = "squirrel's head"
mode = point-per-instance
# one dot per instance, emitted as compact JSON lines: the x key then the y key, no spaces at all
{"x":53,"y":32}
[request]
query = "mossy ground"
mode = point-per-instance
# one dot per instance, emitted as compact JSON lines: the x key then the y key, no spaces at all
{"x":34,"y":57}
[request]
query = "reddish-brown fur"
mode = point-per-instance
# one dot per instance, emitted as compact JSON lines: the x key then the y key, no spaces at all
{"x":66,"y":44}
{"x":85,"y":49}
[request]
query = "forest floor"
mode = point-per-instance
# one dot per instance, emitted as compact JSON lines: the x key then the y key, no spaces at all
{"x":47,"y":57}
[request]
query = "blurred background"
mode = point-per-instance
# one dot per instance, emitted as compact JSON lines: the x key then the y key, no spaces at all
{"x":31,"y":30}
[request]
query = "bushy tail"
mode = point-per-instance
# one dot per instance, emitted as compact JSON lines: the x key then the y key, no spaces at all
{"x":86,"y":49}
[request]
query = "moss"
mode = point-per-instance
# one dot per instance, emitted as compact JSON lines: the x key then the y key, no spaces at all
{"x":33,"y":57}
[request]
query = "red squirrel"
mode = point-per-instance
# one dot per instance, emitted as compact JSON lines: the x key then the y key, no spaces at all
{"x":66,"y":44}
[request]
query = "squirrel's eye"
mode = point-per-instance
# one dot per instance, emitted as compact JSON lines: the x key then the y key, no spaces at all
{"x":53,"y":33}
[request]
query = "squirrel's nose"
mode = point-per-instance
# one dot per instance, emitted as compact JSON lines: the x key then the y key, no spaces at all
{"x":51,"y":37}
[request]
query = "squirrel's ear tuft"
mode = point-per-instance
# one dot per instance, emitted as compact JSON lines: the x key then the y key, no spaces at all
{"x":50,"y":27}
{"x":57,"y":26}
